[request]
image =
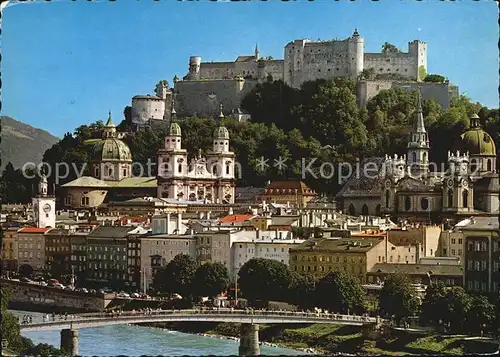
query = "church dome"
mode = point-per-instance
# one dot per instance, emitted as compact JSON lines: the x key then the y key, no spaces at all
{"x":221,"y":133}
{"x":476,"y":141}
{"x":175,"y":130}
{"x":111,"y":149}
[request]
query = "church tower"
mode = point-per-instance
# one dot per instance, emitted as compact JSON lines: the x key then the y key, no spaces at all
{"x":172,"y":165}
{"x":221,"y":163}
{"x":44,"y":205}
{"x":418,"y":144}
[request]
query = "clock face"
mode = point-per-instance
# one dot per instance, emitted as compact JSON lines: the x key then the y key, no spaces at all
{"x":46,"y":208}
{"x":450,"y":182}
{"x":465,"y":183}
{"x":387,"y":184}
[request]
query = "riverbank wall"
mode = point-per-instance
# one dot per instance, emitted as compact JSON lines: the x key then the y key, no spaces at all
{"x":32,"y":297}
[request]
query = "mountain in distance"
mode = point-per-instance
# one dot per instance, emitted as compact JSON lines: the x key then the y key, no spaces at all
{"x":23,"y":143}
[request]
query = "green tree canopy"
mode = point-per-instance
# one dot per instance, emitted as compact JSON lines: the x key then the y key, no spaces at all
{"x":302,"y":290}
{"x":434,"y":78}
{"x":340,"y":292}
{"x":176,"y":277}
{"x":390,"y":48}
{"x":398,"y":298}
{"x":210,"y":279}
{"x":264,"y":279}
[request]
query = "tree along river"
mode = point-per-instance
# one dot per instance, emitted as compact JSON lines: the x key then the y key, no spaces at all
{"x":137,"y":340}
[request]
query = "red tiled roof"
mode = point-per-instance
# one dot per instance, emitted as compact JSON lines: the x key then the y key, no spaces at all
{"x":236,"y":218}
{"x":33,"y":230}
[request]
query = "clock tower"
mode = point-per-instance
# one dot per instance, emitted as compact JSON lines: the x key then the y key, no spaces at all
{"x":44,"y":206}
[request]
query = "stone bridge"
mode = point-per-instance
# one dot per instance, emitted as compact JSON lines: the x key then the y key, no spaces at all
{"x":249,"y":334}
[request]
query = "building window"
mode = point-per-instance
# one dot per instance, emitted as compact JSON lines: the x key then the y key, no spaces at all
{"x":450,"y":198}
{"x":465,"y":198}
{"x":387,"y":198}
{"x":407,"y":203}
{"x":424,"y":203}
{"x":227,"y":170}
{"x":179,"y":168}
{"x":364,"y":210}
{"x":352,"y":210}
{"x":488,"y":165}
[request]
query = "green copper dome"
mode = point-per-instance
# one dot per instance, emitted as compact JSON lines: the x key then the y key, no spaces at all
{"x":111,"y":149}
{"x":221,"y":133}
{"x":175,"y":130}
{"x":477,"y":141}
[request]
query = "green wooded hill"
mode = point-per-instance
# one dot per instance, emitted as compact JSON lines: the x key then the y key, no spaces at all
{"x":22,"y":143}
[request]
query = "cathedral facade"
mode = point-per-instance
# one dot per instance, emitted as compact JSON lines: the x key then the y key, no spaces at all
{"x":410,"y":185}
{"x":209,"y":178}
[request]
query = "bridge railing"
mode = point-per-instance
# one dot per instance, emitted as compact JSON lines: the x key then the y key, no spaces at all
{"x":131,"y":315}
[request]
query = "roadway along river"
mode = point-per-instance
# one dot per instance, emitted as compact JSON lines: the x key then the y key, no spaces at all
{"x":137,"y":341}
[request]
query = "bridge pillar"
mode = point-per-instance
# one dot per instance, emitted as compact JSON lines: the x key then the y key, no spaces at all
{"x":69,"y":341}
{"x":249,"y":340}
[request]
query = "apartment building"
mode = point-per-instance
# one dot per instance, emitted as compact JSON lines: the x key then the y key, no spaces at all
{"x":31,"y":248}
{"x":9,"y":250}
{"x":451,"y":244}
{"x":148,"y":253}
{"x":57,"y":252}
{"x":427,"y":237}
{"x":107,"y":257}
{"x":482,"y":254}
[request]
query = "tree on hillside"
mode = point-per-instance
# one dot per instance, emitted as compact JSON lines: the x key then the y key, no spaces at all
{"x":210,"y":279}
{"x":264,"y":279}
{"x":161,"y":83}
{"x":176,"y":277}
{"x":367,"y":73}
{"x":329,"y":112}
{"x":271,"y":102}
{"x":16,"y":186}
{"x":398,"y":298}
{"x":390,"y":48}
{"x":434,"y":78}
{"x":340,"y":292}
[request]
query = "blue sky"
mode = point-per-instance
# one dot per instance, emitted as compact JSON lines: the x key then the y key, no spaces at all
{"x":67,"y":63}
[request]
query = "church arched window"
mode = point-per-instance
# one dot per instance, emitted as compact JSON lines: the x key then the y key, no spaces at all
{"x":424,"y":157}
{"x":465,"y":198}
{"x":352,"y":210}
{"x":227,"y":169}
{"x":473,"y":165}
{"x":407,"y":203}
{"x":179,"y":168}
{"x":377,"y":210}
{"x":214,"y":169}
{"x":414,"y":156}
{"x":364,"y":210}
{"x":450,"y":198}
{"x":488,"y":165}
{"x":387,"y":198}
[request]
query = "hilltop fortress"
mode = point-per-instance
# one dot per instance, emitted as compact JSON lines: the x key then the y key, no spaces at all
{"x":208,"y":84}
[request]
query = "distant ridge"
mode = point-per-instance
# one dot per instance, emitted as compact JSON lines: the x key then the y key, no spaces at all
{"x":23,"y":143}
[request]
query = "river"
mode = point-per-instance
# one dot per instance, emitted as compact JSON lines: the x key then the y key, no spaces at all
{"x":137,"y":340}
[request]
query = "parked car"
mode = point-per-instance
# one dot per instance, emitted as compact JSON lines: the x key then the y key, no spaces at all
{"x":43,"y":283}
{"x":25,"y":280}
{"x":59,"y":286}
{"x":135,"y":295}
{"x":123,"y":294}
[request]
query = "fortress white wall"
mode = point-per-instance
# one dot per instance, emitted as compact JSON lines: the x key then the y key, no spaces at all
{"x":144,"y":109}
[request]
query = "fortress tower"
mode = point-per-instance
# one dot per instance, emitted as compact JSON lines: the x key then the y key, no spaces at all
{"x":194,"y":68}
{"x":418,"y":51}
{"x":356,"y":46}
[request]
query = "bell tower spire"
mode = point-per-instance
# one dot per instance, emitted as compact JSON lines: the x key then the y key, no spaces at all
{"x":256,"y":52}
{"x":418,"y":143}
